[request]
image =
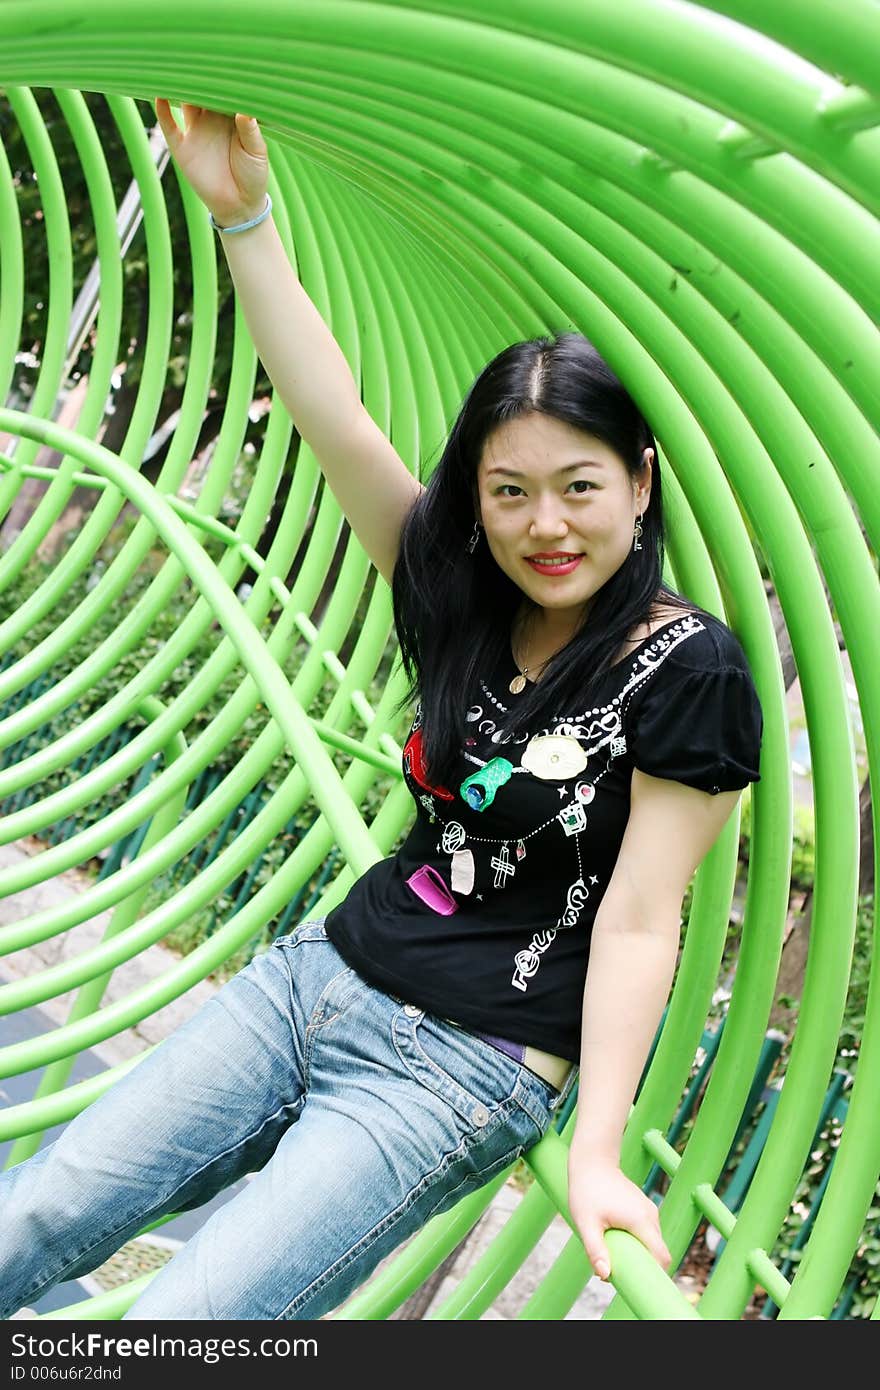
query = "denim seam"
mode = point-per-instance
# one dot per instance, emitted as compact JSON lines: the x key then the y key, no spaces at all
{"x":541,"y":1116}
{"x":370,"y":1237}
{"x":443,"y":1079}
{"x":157,"y":1209}
{"x":309,"y":1033}
{"x":481,"y":1177}
{"x":314,"y":1025}
{"x":524,"y":1080}
{"x":293,"y":939}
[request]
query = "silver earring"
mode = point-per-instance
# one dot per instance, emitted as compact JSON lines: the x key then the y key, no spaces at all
{"x":636,"y":533}
{"x":472,"y":543}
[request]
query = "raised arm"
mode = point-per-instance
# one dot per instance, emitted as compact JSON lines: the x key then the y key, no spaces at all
{"x":633,"y":951}
{"x":225,"y":160}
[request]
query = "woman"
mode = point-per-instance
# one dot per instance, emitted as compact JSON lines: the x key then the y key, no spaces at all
{"x":582,"y":736}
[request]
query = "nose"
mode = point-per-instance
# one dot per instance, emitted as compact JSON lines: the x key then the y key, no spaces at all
{"x":548,"y":519}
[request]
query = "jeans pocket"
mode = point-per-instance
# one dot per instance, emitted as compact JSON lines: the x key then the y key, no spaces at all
{"x":310,"y":930}
{"x":449,"y":1062}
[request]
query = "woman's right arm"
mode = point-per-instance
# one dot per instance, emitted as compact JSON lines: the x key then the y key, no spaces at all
{"x":224,"y":158}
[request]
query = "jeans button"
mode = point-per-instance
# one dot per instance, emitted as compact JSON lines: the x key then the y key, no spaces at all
{"x":411,"y":1011}
{"x":481,"y":1115}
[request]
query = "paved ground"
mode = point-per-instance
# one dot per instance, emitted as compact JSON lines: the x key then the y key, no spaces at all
{"x":147,"y":966}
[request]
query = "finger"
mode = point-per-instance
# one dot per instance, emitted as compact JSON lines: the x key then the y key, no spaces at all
{"x":191,"y":113}
{"x":167,"y":124}
{"x":651,"y":1236}
{"x":658,"y":1244}
{"x":597,"y":1250}
{"x":601,"y":1263}
{"x":249,"y":134}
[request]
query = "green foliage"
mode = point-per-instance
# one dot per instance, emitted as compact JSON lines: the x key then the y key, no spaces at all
{"x":864,"y":1271}
{"x":853,"y":1024}
{"x":803,"y":840}
{"x":863,"y":1276}
{"x":803,"y":848}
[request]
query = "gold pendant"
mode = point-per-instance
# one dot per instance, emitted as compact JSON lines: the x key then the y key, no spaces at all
{"x":554,"y":757}
{"x":517,"y":685}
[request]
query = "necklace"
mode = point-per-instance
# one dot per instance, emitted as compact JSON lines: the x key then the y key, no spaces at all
{"x":518,"y":684}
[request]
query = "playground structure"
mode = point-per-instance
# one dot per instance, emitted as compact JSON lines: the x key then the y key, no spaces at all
{"x":695,"y":188}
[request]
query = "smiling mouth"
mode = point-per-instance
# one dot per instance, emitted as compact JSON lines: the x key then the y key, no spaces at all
{"x":557,"y":557}
{"x":556,"y":564}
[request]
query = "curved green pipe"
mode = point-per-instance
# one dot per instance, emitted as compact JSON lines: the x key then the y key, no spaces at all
{"x":60,"y":265}
{"x":11,"y":290}
{"x":106,"y":352}
{"x":841,"y":39}
{"x":716,"y":401}
{"x":89,"y":998}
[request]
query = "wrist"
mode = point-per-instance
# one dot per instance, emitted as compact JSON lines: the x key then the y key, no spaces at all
{"x":589,"y":1152}
{"x":226,"y":219}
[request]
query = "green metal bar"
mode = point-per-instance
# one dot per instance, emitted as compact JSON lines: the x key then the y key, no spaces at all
{"x":89,"y":998}
{"x":227,"y":611}
{"x":433,"y":214}
{"x":106,"y":351}
{"x":60,"y":262}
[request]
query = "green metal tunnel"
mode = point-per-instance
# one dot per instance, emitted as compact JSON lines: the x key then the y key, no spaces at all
{"x":695,"y":188}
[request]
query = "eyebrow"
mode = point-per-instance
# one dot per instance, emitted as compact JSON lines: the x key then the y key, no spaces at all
{"x":569,"y":468}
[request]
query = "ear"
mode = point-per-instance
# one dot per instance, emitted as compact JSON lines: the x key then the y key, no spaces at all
{"x":475,"y":498}
{"x":643,"y":492}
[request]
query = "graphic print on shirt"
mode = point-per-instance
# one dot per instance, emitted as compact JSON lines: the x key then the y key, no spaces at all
{"x":479,"y":789}
{"x":562,"y":752}
{"x":528,"y":961}
{"x":459,"y":966}
{"x":502,"y":866}
{"x":551,"y":756}
{"x":463,"y":872}
{"x":571,"y":756}
{"x":414,"y":763}
{"x":453,"y":836}
{"x":573,"y":817}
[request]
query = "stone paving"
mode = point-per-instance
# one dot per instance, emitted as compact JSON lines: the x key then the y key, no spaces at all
{"x":145,"y":967}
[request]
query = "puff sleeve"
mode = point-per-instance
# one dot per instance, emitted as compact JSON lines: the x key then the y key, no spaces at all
{"x":698,"y":726}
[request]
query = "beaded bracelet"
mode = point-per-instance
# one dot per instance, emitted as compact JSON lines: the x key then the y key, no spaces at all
{"x":244,"y":226}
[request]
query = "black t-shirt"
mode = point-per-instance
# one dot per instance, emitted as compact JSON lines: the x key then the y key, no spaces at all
{"x":495,"y":931}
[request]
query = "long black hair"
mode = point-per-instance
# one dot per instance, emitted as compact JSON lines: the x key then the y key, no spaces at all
{"x":453,"y":610}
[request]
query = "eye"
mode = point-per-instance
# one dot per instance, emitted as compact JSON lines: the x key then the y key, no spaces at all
{"x":501,"y":491}
{"x":584,"y":483}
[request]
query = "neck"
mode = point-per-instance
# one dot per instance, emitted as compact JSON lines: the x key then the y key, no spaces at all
{"x":535,"y":645}
{"x":540,"y":630}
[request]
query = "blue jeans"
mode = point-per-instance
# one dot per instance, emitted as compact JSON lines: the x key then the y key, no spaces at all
{"x":361,"y":1117}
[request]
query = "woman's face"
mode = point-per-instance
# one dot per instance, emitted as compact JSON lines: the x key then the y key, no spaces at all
{"x":547,"y":488}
